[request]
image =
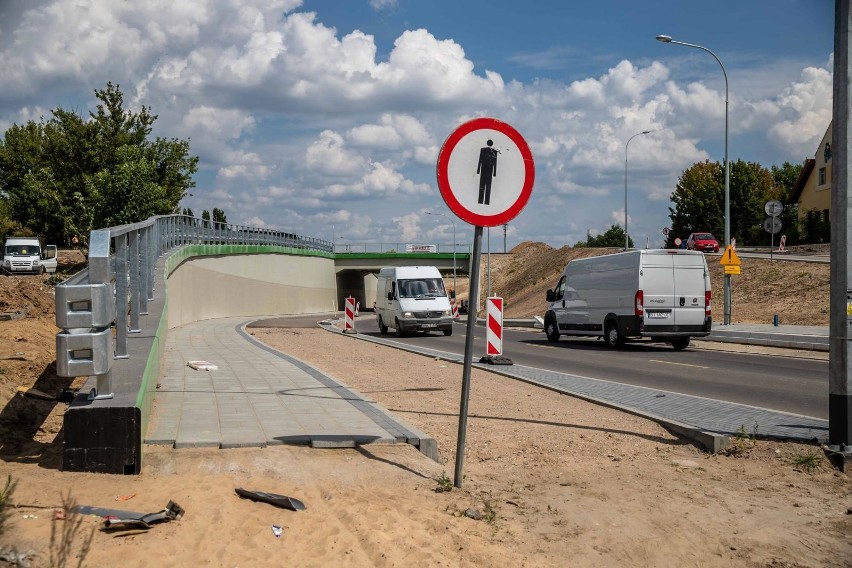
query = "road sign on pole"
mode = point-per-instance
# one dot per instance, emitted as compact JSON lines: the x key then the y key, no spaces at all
{"x":485,"y":174}
{"x":730,"y":257}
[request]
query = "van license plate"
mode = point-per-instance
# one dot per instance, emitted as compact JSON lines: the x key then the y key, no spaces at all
{"x":658,"y":315}
{"x":428,"y":325}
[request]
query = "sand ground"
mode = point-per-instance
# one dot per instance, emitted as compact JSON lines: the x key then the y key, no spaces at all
{"x":548,"y":480}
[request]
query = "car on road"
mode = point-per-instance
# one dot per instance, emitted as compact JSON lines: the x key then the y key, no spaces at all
{"x":704,"y":242}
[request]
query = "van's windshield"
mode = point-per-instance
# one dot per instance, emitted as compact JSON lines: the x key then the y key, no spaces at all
{"x":421,"y":288}
{"x":22,"y":250}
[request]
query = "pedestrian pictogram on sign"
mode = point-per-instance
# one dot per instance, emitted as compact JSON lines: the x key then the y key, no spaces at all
{"x":729,"y":257}
{"x":485,"y":172}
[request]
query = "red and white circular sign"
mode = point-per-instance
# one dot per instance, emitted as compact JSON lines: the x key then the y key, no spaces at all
{"x":485,"y":172}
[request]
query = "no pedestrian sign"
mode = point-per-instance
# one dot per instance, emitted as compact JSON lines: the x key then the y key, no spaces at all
{"x":485,"y":172}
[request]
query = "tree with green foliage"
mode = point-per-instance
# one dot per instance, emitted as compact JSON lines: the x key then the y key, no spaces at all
{"x":815,"y":228}
{"x":205,"y":217}
{"x":68,"y":175}
{"x":613,"y":237}
{"x":785,"y":178}
{"x":699,"y":201}
{"x":219,"y":216}
{"x":697,"y":206}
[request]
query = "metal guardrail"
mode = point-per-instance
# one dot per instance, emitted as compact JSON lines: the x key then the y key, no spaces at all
{"x":119,"y":282}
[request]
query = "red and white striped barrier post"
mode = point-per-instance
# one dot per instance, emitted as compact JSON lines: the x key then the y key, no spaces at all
{"x":349,"y":316}
{"x":494,"y":333}
{"x":783,"y":243}
{"x":455,"y":308}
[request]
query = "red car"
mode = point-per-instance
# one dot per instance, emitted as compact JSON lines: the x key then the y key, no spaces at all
{"x":705,"y":242}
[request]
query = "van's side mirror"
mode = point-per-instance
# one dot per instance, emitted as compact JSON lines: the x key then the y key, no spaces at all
{"x":551,"y":297}
{"x":390,"y":296}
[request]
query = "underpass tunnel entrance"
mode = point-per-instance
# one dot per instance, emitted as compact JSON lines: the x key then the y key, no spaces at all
{"x":359,"y":284}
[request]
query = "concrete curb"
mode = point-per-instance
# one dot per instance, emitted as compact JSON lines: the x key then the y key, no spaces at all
{"x":769,"y":339}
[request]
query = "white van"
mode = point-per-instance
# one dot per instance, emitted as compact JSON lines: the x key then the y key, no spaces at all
{"x":660,"y":294}
{"x":24,"y":255}
{"x":412,"y":298}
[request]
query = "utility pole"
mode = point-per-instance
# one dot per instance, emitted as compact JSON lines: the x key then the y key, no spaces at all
{"x":840,"y":306}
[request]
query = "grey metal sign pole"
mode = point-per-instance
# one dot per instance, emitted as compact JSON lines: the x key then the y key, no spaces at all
{"x":468,"y":354}
{"x":840,"y":320}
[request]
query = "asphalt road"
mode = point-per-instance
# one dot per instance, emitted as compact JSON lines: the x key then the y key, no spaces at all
{"x":787,"y":384}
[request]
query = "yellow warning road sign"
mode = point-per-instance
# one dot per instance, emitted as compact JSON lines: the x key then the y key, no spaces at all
{"x":730,"y":258}
{"x":730,"y":269}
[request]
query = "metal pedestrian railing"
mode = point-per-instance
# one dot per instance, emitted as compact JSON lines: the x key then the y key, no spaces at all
{"x":119,"y":282}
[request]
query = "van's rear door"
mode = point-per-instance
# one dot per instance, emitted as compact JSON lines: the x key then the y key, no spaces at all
{"x":689,"y":283}
{"x":658,"y":289}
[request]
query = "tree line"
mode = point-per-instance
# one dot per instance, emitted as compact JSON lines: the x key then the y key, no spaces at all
{"x":698,"y":205}
{"x":66,"y":175}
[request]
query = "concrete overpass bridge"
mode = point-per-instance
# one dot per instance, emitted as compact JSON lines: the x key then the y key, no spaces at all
{"x":147,"y":278}
{"x":357,"y":271}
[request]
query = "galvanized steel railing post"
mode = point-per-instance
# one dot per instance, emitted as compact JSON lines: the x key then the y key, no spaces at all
{"x":144,"y":265}
{"x":133,"y":265}
{"x":152,"y":260}
{"x":121,"y":297}
{"x":85,"y":313}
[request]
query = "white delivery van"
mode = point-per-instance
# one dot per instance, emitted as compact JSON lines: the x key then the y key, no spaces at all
{"x":412,"y":298}
{"x":24,"y":255}
{"x":660,"y":294}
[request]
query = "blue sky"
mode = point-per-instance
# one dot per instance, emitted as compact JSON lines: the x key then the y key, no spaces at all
{"x":325,"y":117}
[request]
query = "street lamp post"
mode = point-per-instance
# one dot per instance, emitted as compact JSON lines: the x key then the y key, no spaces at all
{"x":626,"y":238}
{"x":668,"y":39}
{"x":454,"y":245}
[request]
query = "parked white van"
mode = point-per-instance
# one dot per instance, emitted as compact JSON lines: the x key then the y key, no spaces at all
{"x":412,"y":298}
{"x":24,"y":255}
{"x":660,"y":294}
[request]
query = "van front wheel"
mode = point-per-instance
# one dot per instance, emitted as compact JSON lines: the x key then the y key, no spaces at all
{"x":680,"y":343}
{"x":612,"y":336}
{"x":551,"y":330}
{"x":399,"y":332}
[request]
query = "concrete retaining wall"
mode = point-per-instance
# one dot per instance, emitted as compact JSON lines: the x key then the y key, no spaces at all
{"x":207,"y":287}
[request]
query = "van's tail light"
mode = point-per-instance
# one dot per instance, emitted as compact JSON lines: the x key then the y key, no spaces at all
{"x":707,"y":303}
{"x":638,"y":308}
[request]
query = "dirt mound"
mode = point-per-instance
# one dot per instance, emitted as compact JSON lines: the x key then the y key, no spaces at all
{"x":29,"y":426}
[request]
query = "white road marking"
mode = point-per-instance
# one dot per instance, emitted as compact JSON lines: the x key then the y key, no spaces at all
{"x":682,"y":364}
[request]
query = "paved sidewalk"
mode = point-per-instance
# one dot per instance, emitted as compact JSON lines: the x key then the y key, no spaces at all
{"x":259,"y":397}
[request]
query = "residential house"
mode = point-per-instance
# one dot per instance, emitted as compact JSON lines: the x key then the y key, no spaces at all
{"x":813,"y":188}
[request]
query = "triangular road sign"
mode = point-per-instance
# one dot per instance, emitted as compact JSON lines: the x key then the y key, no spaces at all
{"x":729,"y":257}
